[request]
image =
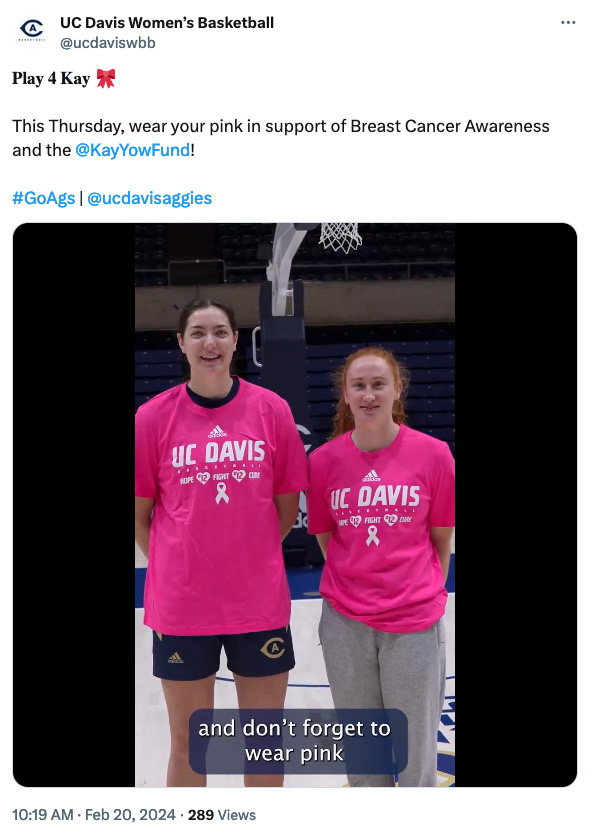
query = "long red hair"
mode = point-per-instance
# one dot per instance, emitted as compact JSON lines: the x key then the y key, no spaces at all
{"x":343,"y":419}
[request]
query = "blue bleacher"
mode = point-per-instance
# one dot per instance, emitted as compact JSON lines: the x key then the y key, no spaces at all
{"x":430,"y":402}
{"x":158,"y":370}
{"x":159,"y":356}
{"x":425,"y":376}
{"x":389,"y":252}
{"x":155,"y":385}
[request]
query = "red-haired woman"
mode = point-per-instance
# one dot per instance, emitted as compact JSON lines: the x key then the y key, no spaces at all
{"x":381,"y":502}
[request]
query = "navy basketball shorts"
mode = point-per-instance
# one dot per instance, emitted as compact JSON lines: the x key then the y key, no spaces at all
{"x":257,"y":654}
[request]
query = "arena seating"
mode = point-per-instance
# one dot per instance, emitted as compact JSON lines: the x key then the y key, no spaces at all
{"x":388,"y":251}
{"x":150,"y":254}
{"x":428,"y":352}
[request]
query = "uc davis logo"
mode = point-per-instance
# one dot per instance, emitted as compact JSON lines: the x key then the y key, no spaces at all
{"x":272,"y":648}
{"x":446,"y":739}
{"x":32,"y":28}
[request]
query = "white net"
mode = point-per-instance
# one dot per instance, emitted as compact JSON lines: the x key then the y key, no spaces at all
{"x":340,"y":236}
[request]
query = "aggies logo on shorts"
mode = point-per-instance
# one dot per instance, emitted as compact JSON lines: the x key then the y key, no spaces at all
{"x":272,"y":648}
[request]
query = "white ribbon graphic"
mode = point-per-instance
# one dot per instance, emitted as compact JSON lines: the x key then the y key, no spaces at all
{"x":372,"y":538}
{"x":222,"y":495}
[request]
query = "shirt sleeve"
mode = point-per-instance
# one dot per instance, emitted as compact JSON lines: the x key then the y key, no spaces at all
{"x":146,"y":459}
{"x":290,"y":461}
{"x":442,"y":501}
{"x":319,"y":516}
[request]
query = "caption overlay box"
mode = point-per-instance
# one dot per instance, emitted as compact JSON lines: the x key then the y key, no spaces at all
{"x":298,"y":741}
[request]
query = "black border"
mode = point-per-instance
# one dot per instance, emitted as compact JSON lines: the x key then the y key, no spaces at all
{"x":73,"y":656}
{"x":516,"y":641}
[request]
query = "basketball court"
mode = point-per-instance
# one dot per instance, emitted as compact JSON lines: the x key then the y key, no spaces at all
{"x":307,"y":689}
{"x":279,"y":343}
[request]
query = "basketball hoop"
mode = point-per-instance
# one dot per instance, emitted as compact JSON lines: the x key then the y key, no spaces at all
{"x":340,"y":236}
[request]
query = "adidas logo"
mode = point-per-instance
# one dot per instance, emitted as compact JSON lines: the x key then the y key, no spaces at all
{"x":372,"y":476}
{"x":216,"y":432}
{"x":175,"y":658}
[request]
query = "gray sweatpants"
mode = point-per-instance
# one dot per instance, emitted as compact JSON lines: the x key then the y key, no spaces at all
{"x":370,"y":669}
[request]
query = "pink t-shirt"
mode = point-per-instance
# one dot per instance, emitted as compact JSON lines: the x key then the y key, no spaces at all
{"x":381,"y":567}
{"x":215,"y":558}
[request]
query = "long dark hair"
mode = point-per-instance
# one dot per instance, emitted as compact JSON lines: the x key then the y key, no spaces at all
{"x":199,"y":304}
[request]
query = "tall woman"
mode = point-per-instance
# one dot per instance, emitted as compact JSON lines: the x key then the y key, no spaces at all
{"x":381,"y":502}
{"x":219,"y":468}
